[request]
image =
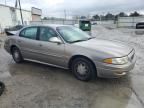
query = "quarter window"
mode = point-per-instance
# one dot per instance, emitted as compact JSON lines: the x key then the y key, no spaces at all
{"x":30,"y":33}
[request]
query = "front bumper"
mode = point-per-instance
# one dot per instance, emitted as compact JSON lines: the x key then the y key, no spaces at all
{"x":114,"y":71}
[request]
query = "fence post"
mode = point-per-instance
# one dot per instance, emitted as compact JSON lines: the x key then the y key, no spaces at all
{"x":63,"y":21}
{"x":117,"y":21}
{"x":132,"y":22}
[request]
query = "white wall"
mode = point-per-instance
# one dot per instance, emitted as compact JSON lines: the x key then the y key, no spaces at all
{"x":27,"y":17}
{"x":129,"y":21}
{"x":6,"y":19}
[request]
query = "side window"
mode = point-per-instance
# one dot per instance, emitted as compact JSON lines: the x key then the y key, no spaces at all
{"x":30,"y":33}
{"x":46,"y":33}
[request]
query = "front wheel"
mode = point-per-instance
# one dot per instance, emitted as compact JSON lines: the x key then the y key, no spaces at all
{"x":17,"y":55}
{"x":83,"y":69}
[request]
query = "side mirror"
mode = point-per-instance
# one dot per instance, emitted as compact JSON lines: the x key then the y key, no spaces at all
{"x":55,"y":40}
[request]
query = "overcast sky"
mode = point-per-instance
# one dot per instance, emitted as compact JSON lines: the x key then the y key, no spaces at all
{"x":80,"y":7}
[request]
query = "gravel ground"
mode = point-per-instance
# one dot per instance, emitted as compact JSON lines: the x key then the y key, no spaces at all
{"x":32,"y":85}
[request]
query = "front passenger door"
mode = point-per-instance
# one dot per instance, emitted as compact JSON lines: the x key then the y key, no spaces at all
{"x":51,"y":52}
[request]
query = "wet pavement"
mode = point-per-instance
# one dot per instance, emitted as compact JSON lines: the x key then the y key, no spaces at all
{"x":33,"y":85}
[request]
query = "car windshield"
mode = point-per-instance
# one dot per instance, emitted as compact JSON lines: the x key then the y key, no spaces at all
{"x":72,"y":34}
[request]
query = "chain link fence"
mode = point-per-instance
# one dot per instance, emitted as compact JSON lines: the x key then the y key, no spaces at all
{"x":55,"y":21}
{"x":129,"y":22}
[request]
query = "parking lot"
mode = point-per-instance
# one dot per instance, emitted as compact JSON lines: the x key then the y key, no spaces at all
{"x":33,"y":85}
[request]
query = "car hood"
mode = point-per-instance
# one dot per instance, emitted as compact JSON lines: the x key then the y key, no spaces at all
{"x":113,"y":48}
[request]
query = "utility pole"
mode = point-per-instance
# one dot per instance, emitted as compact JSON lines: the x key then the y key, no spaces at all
{"x":5,"y":2}
{"x":21,"y":12}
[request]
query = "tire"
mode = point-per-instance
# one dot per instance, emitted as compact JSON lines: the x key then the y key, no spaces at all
{"x":2,"y":88}
{"x":136,"y":26}
{"x":16,"y":54}
{"x":83,"y":69}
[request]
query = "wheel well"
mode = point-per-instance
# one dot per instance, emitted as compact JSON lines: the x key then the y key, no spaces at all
{"x":80,"y":56}
{"x":13,"y":46}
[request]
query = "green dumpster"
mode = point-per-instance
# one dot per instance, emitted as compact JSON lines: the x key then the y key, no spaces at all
{"x":85,"y":25}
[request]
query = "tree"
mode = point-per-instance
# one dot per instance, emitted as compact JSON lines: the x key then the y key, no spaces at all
{"x":122,"y":14}
{"x":96,"y":17}
{"x":109,"y":16}
{"x":45,"y":18}
{"x":135,"y":14}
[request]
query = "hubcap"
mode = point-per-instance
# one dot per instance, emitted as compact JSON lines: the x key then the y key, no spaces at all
{"x":82,"y":68}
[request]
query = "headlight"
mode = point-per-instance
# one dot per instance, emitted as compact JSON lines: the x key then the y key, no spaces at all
{"x":117,"y":61}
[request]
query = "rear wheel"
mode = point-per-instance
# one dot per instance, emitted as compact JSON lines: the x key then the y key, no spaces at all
{"x":83,"y":69}
{"x":2,"y":87}
{"x":16,"y":54}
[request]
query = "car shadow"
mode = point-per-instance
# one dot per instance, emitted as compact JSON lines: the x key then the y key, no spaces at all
{"x":100,"y":92}
{"x":37,"y":68}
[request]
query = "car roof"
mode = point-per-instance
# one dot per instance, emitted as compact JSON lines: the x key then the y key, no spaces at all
{"x":50,"y":25}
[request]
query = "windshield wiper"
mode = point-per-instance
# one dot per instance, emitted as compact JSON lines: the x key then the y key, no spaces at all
{"x":82,"y":40}
{"x":91,"y":38}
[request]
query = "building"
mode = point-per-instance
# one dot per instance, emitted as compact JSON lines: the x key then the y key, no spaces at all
{"x":10,"y":16}
{"x":36,"y":14}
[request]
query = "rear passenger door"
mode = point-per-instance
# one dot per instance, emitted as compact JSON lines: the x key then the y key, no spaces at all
{"x":52,"y":53}
{"x":28,"y":43}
